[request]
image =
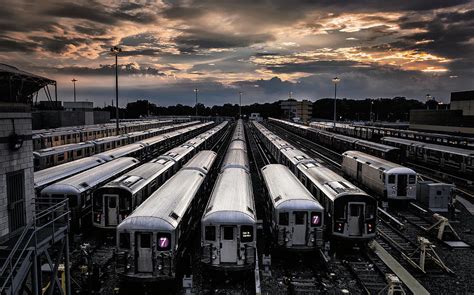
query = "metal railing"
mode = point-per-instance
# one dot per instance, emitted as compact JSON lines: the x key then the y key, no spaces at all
{"x":54,"y":211}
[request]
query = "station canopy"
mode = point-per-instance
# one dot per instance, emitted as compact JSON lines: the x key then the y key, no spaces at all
{"x":20,"y":86}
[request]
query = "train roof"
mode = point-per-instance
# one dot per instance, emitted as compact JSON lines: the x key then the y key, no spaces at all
{"x":139,"y":177}
{"x":237,"y":145}
{"x":378,"y":163}
{"x":85,"y":180}
{"x":120,"y":151}
{"x":430,"y":146}
{"x":286,"y":191}
{"x":62,"y":149}
{"x":295,"y":155}
{"x":330,"y":183}
{"x":164,"y":209}
{"x":375,"y":145}
{"x":236,"y":159}
{"x":177,"y":153}
{"x":50,"y":175}
{"x":231,"y":200}
{"x":202,"y":161}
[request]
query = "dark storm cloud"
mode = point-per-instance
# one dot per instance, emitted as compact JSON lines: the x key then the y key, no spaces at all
{"x":91,"y":30}
{"x":139,"y":39}
{"x":109,"y":70}
{"x":207,"y":40}
{"x":93,"y":11}
{"x":314,"y":66}
{"x":59,"y":44}
{"x":12,"y":45}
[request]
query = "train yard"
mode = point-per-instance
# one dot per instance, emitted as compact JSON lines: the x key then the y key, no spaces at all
{"x":256,"y":208}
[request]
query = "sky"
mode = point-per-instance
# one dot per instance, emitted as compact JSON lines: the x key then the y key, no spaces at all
{"x":264,"y":49}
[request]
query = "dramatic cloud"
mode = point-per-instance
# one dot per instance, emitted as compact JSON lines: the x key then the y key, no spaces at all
{"x":263,"y":48}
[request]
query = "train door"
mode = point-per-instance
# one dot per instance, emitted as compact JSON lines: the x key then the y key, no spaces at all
{"x":228,"y":244}
{"x":144,"y":252}
{"x":299,"y":228}
{"x":402,"y":185}
{"x":111,"y":209}
{"x":355,"y":218}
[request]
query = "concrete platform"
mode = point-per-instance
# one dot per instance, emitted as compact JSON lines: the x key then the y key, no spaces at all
{"x":409,"y":281}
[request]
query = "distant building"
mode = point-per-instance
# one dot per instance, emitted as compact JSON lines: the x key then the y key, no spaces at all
{"x":299,"y":110}
{"x":74,"y":114}
{"x":256,"y":117}
{"x":78,"y":106}
{"x":459,"y":119}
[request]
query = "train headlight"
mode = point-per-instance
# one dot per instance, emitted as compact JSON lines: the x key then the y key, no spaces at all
{"x":312,"y":240}
{"x":339,"y":227}
{"x":98,"y":217}
{"x":159,"y":267}
{"x":286,"y":239}
{"x":214,"y":257}
{"x":393,"y":187}
{"x":370,"y":228}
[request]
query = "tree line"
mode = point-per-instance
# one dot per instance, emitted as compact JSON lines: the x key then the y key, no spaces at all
{"x":383,"y":109}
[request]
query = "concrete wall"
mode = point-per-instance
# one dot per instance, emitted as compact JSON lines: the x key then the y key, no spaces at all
{"x":451,"y":121}
{"x":11,"y":161}
{"x":54,"y":119}
{"x":467,"y":106}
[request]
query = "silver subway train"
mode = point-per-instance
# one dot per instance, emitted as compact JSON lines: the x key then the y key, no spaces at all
{"x":153,"y":239}
{"x":350,"y":213}
{"x":228,"y":226}
{"x":78,"y":189}
{"x":388,"y":180}
{"x":117,"y":199}
{"x":297,"y":218}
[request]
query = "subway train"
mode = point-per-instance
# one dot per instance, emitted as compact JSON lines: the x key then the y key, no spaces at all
{"x":388,"y":180}
{"x":297,"y":218}
{"x":350,"y":213}
{"x":48,"y":138}
{"x":45,"y":158}
{"x":143,"y":151}
{"x":153,"y":240}
{"x":341,"y":143}
{"x":78,"y":189}
{"x":116,"y":200}
{"x":228,"y":226}
{"x":454,"y":160}
{"x":376,"y":133}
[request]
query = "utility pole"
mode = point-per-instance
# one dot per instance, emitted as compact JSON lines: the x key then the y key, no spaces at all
{"x":115,"y":51}
{"x":74,"y":83}
{"x":196,"y":105}
{"x":335,"y":81}
{"x":240,"y":104}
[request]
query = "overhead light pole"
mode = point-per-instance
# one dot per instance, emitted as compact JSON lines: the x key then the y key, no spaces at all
{"x":240,"y":104}
{"x":74,"y":83}
{"x":335,"y":81}
{"x":371,"y":104}
{"x":115,"y":51}
{"x":196,"y":105}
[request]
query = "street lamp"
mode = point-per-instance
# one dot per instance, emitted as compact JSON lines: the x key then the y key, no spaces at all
{"x":371,"y":104}
{"x":335,"y":81}
{"x":115,"y":51}
{"x":74,"y":82}
{"x":196,"y":105}
{"x":240,"y":104}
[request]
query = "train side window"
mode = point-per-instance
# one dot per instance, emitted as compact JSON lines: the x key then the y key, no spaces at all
{"x":79,"y":153}
{"x":124,"y":241}
{"x":411,"y":179}
{"x":316,"y":218}
{"x":283,"y":219}
{"x":246,"y":233}
{"x":210,"y":233}
{"x":391,"y":179}
{"x":299,"y":217}
{"x":228,"y":232}
{"x":145,"y":241}
{"x":163,"y":241}
{"x":60,"y":157}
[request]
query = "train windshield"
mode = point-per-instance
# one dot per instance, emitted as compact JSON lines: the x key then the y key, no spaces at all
{"x":97,"y":203}
{"x":246,"y":233}
{"x":210,"y":233}
{"x":124,"y":240}
{"x":411,"y":179}
{"x":283,"y":218}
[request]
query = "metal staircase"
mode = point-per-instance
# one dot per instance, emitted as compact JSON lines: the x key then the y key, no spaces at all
{"x":21,"y":255}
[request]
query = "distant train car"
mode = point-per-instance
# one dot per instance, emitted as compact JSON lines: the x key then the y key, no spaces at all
{"x":389,"y":180}
{"x":297,"y":218}
{"x":62,"y":154}
{"x":228,"y":226}
{"x":350,"y":212}
{"x":454,"y":160}
{"x":154,"y":238}
{"x":80,"y":187}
